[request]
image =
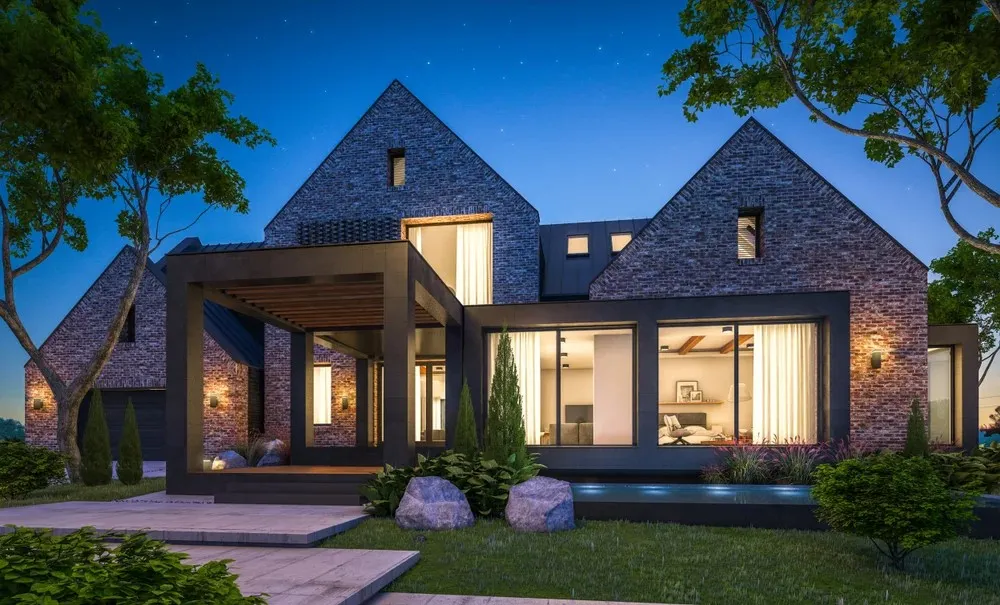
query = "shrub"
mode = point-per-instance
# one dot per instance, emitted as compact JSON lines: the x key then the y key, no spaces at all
{"x":967,"y":473}
{"x":25,"y":468}
{"x":95,"y":465}
{"x":504,"y":435}
{"x":253,"y":448}
{"x":741,"y":464}
{"x":130,"y":449}
{"x":897,"y":502}
{"x":466,"y":439}
{"x":81,"y":568}
{"x":916,"y":433}
{"x":794,"y":463}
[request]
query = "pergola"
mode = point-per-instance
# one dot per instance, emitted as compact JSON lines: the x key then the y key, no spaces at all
{"x":384,"y":289}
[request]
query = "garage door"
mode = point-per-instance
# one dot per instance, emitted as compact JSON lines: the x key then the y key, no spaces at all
{"x":150,"y":409}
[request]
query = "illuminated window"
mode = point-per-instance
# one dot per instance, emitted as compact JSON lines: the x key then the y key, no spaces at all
{"x":748,"y":233}
{"x":322,"y":394}
{"x":397,"y":167}
{"x":619,"y":241}
{"x":577,"y":245}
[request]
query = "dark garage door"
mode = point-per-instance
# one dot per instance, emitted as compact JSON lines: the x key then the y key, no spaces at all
{"x":149,"y":414}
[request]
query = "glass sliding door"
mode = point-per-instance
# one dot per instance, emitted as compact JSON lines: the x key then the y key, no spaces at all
{"x":941,"y":394}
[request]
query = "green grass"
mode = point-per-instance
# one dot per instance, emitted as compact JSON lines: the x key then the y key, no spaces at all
{"x":666,"y":563}
{"x":67,"y":493}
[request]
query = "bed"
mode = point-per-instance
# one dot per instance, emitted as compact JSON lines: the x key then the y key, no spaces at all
{"x":686,"y":428}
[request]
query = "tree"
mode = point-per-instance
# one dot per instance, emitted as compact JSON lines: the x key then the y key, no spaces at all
{"x":95,"y":467}
{"x":917,"y":443}
{"x":968,"y":291}
{"x":11,"y":429}
{"x":81,"y":118}
{"x":912,"y":77}
{"x":504,"y":435}
{"x":466,"y":439}
{"x":130,"y":449}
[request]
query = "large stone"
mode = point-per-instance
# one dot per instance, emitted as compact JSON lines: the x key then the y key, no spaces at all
{"x":433,"y":503}
{"x":540,"y":504}
{"x":275,"y":446}
{"x":228,"y":459}
{"x":271,"y":460}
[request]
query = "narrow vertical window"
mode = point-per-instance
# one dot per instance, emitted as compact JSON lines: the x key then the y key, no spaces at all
{"x":748,"y":233}
{"x":128,"y":330}
{"x":397,"y":167}
{"x":322,"y":394}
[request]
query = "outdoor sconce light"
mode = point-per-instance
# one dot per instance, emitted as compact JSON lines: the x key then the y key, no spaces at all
{"x":37,"y":404}
{"x":344,"y":403}
{"x":876,"y":360}
{"x":213,"y":401}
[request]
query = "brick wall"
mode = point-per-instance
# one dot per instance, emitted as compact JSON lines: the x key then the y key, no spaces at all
{"x":814,"y":239}
{"x":133,"y":365}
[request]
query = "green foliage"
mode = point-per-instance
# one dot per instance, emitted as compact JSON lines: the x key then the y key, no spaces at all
{"x":80,"y":568}
{"x":466,"y":438}
{"x":25,"y":468}
{"x":788,"y":464}
{"x":252,"y":448}
{"x":11,"y":429}
{"x":975,"y":473}
{"x":485,"y":482}
{"x":130,"y":449}
{"x":917,"y":443}
{"x":794,"y":464}
{"x":897,"y":502}
{"x":95,"y":466}
{"x":504,"y":435}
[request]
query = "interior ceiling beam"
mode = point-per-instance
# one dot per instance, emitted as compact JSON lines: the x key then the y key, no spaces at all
{"x":689,"y":344}
{"x":728,"y":347}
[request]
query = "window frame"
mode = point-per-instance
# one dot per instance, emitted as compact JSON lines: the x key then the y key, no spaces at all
{"x":611,"y":241}
{"x":571,"y":236}
{"x":757,"y":213}
{"x":393,"y":154}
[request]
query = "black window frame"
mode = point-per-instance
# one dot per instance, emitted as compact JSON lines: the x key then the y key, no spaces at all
{"x":757,"y":213}
{"x":393,"y":154}
{"x":570,"y":236}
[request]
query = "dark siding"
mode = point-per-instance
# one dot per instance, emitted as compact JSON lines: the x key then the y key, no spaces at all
{"x":569,"y":277}
{"x":255,"y":401}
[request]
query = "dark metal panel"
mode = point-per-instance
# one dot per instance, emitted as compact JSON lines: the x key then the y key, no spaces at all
{"x":570,"y":276}
{"x":185,"y":390}
{"x":363,"y":400}
{"x":150,"y":409}
{"x":300,"y":391}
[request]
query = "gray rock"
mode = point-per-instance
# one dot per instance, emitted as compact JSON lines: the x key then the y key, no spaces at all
{"x":228,"y":459}
{"x":275,"y":446}
{"x":433,"y":503}
{"x":271,"y":460}
{"x":540,"y":504}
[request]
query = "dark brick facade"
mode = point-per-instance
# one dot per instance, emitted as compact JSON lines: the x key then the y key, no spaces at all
{"x":814,"y":240}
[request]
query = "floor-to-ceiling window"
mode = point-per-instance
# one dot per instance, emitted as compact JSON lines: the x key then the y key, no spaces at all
{"x":739,"y":383}
{"x":428,"y":401}
{"x":461,"y":254}
{"x":576,"y":385}
{"x":941,"y":394}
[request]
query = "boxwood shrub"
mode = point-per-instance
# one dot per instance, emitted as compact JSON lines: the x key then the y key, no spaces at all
{"x":25,"y":468}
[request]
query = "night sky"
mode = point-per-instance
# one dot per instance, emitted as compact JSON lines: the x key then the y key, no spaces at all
{"x":559,"y":97}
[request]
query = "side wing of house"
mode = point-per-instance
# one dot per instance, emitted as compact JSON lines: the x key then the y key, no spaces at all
{"x":756,"y":219}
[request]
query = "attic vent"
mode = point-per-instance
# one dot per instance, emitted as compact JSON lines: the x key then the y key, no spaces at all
{"x":397,"y":167}
{"x":749,"y":226}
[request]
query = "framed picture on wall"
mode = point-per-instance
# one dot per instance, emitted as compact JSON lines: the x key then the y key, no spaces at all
{"x":696,"y":396}
{"x":684,"y":388}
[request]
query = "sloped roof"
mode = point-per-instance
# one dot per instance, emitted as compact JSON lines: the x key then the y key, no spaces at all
{"x":569,"y":277}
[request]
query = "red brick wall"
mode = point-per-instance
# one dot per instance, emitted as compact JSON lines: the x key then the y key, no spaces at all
{"x":814,"y":240}
{"x":133,"y":365}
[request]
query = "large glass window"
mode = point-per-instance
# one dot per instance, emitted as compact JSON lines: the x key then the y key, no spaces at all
{"x":577,"y":386}
{"x":739,"y":383}
{"x":322,"y":394}
{"x":429,"y":402}
{"x":461,"y":254}
{"x":940,"y":394}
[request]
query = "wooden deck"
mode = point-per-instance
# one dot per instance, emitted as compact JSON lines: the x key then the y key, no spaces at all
{"x":301,"y":470}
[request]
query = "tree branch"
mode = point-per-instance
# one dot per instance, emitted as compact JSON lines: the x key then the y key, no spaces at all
{"x":994,"y":7}
{"x":159,"y":239}
{"x":991,"y":357}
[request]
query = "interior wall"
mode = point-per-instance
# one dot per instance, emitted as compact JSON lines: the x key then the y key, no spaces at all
{"x":577,"y":389}
{"x":438,"y":244}
{"x":612,"y":393}
{"x":714,"y":373}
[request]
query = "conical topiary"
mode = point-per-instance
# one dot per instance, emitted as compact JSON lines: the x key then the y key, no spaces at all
{"x":466,"y":439}
{"x":95,"y":465}
{"x":504,"y":434}
{"x":916,"y":433}
{"x":130,"y":449}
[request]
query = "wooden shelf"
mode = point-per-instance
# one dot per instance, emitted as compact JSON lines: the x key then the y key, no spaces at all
{"x":690,"y":402}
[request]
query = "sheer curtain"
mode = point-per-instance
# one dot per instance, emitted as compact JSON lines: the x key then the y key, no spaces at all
{"x":785,"y":383}
{"x":322,"y":394}
{"x":474,"y":263}
{"x":527,"y":350}
{"x":416,"y":237}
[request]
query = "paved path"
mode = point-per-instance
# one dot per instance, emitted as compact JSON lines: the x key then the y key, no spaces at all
{"x":407,"y":598}
{"x":193,"y":523}
{"x":300,"y":576}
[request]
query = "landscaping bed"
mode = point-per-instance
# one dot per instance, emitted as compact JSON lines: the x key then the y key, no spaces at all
{"x":115,"y":490}
{"x":667,"y":563}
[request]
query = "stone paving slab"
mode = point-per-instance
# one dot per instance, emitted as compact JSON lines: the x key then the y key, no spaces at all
{"x":193,"y":523}
{"x":407,"y":598}
{"x":164,"y":498}
{"x":304,"y":576}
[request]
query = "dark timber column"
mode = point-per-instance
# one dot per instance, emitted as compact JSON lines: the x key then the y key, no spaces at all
{"x":453,"y":379}
{"x":647,"y":375}
{"x":301,"y":391}
{"x":185,"y":393}
{"x":399,"y":358}
{"x":363,"y":402}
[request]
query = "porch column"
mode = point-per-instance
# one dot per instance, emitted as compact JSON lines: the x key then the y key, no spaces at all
{"x":363,"y":402}
{"x":453,"y":360}
{"x":647,"y":334}
{"x":185,"y":393}
{"x":399,"y":359}
{"x":300,"y":390}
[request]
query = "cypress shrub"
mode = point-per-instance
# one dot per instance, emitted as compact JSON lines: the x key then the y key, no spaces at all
{"x":466,"y":439}
{"x":95,"y":465}
{"x":130,"y":449}
{"x":504,"y":439}
{"x":916,"y":433}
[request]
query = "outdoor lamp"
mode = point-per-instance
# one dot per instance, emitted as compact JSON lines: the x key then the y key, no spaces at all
{"x":213,"y":401}
{"x":876,"y":359}
{"x":344,"y":402}
{"x":38,"y":404}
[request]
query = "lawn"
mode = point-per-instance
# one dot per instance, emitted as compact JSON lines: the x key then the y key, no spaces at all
{"x":666,"y":563}
{"x":66,"y":493}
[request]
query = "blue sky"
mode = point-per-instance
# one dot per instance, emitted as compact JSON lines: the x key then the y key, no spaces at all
{"x":563,"y":103}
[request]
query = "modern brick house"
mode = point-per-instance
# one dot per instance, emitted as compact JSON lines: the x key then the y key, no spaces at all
{"x":758,"y":305}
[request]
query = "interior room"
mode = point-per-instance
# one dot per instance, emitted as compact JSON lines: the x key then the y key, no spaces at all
{"x":462,"y":256}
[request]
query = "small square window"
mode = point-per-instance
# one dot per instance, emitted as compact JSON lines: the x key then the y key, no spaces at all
{"x":749,"y":227}
{"x":619,"y":241}
{"x":128,"y":330}
{"x":577,"y":245}
{"x":397,"y":167}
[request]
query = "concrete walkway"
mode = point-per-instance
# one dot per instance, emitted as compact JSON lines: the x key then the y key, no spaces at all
{"x":406,"y":598}
{"x":302,"y":576}
{"x":192,"y":522}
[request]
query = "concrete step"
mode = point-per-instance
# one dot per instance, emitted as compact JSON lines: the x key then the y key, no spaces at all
{"x":282,"y":497}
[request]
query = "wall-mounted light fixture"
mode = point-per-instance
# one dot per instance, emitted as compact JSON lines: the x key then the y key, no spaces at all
{"x":876,"y":359}
{"x":213,"y":401}
{"x":38,"y":404}
{"x":344,"y":402}
{"x":664,"y":348}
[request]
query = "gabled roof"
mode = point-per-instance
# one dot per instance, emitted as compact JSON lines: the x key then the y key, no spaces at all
{"x":569,"y":277}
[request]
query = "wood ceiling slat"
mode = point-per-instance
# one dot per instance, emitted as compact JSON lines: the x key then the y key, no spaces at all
{"x":689,"y":344}
{"x":728,"y":347}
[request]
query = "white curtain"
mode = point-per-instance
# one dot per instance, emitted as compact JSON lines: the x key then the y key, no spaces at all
{"x":785,"y":383}
{"x":416,"y":237}
{"x":418,"y":404}
{"x":322,"y":394}
{"x":528,"y":360}
{"x":474,"y":264}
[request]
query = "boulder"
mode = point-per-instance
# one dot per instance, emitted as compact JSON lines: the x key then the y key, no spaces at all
{"x":540,"y":504}
{"x":228,"y":459}
{"x":275,"y":446}
{"x":432,"y":503}
{"x":270,"y":459}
